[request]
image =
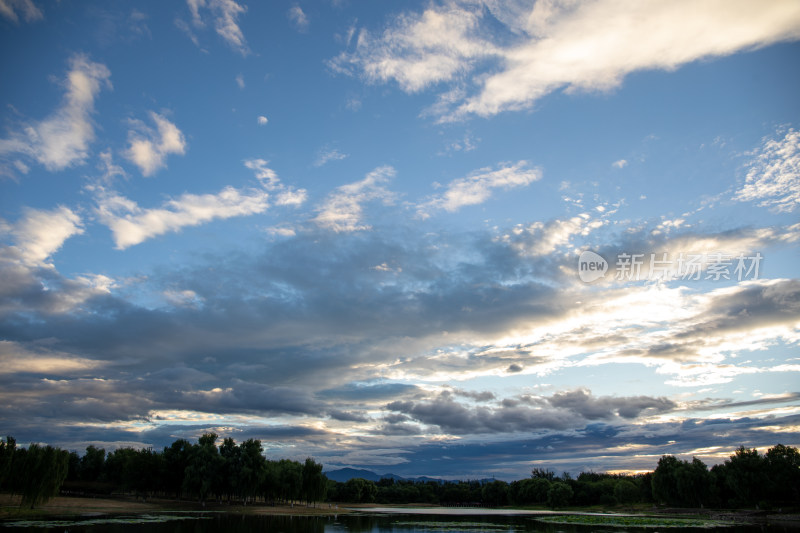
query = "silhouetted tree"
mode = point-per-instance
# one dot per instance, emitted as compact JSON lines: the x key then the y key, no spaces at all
{"x":92,"y":464}
{"x":7,"y":449}
{"x":359,"y":490}
{"x":559,"y":495}
{"x":45,"y":469}
{"x":202,"y":472}
{"x":626,"y":491}
{"x":746,"y":476}
{"x":176,"y":460}
{"x":495,"y":493}
{"x":537,"y":472}
{"x":681,"y":483}
{"x":314,"y":481}
{"x":252,"y":468}
{"x":783,"y":474}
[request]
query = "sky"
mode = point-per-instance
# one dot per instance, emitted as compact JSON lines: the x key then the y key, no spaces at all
{"x":460,"y":238}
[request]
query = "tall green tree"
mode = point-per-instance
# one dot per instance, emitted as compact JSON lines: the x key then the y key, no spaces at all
{"x":626,"y":491}
{"x":559,"y":495}
{"x":252,"y":469}
{"x":746,"y":476}
{"x":7,"y":449}
{"x":45,"y":469}
{"x":681,"y":483}
{"x":230,"y":469}
{"x":290,"y":480}
{"x":202,"y":472}
{"x":359,"y":490}
{"x":92,"y":464}
{"x":315,"y":484}
{"x":176,"y":460}
{"x":495,"y":493}
{"x":783,"y":473}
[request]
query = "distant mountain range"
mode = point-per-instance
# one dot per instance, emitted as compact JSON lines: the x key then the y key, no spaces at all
{"x":344,"y":474}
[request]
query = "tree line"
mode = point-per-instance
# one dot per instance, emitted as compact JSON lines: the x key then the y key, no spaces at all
{"x":229,"y":472}
{"x":241,"y":473}
{"x":747,"y":479}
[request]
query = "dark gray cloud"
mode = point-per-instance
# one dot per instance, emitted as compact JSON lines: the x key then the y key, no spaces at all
{"x":581,"y":401}
{"x":347,"y":416}
{"x":368,"y":391}
{"x":563,"y":410}
{"x":455,"y":418}
{"x":478,"y":396}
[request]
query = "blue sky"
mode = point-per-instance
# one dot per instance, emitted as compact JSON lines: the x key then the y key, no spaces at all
{"x":353,"y":229}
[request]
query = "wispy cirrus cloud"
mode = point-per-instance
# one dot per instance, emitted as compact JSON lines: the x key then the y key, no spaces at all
{"x":419,"y":49}
{"x":555,"y":45}
{"x":224,"y":15}
{"x":284,"y":195}
{"x":342,"y":210}
{"x":298,"y":18}
{"x":30,"y":281}
{"x":773,"y":179}
{"x":40,"y":233}
{"x":12,"y":8}
{"x":62,"y":139}
{"x":327,"y":155}
{"x":148,"y":149}
{"x":478,"y":187}
{"x":131,"y":224}
{"x":542,"y":238}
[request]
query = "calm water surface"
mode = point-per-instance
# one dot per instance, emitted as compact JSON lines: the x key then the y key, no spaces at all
{"x":352,"y":523}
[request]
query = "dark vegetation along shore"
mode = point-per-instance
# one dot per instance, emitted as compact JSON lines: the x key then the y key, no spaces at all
{"x":204,"y":475}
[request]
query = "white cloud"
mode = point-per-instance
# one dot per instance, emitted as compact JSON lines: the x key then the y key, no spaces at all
{"x":225,"y":15}
{"x":9,"y":9}
{"x":774,"y":175}
{"x":63,"y":138}
{"x":419,"y":49}
{"x":110,"y":170}
{"x":131,"y":224}
{"x":40,"y":234}
{"x":569,"y":45}
{"x":284,"y":195}
{"x":22,"y":167}
{"x":291,"y":197}
{"x":268,"y":177}
{"x":148,"y":149}
{"x":30,"y":281}
{"x":183,"y":298}
{"x":343,"y":209}
{"x":240,"y":81}
{"x":282,"y":231}
{"x":622,"y":163}
{"x":477,"y":187}
{"x":298,"y":18}
{"x":542,"y":238}
{"x":466,"y":144}
{"x":329,"y":154}
{"x":262,"y":120}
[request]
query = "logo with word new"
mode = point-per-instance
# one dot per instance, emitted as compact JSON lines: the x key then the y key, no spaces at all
{"x":591,"y":266}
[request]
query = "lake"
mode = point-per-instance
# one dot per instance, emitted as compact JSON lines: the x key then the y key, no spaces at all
{"x":388,"y":521}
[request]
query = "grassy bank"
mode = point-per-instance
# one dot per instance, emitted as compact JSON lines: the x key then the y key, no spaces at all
{"x":88,"y":506}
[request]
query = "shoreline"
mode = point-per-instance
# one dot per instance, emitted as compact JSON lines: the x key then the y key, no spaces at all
{"x":69,"y":506}
{"x":88,"y":506}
